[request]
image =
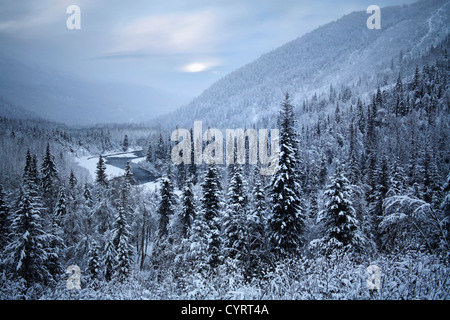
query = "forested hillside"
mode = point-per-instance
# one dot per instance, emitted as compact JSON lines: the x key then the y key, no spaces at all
{"x":362,"y":180}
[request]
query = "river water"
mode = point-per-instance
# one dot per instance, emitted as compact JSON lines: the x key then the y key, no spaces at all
{"x":119,"y":160}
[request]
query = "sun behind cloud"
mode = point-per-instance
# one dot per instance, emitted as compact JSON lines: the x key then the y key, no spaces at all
{"x":195,"y":67}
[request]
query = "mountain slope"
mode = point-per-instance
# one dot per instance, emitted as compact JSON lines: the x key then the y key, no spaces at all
{"x":10,"y":111}
{"x":342,"y":52}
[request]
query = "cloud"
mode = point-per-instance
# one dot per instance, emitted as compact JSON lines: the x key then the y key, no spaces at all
{"x":170,"y":33}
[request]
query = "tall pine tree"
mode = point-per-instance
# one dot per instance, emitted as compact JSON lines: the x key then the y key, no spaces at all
{"x":211,"y":205}
{"x":29,"y":248}
{"x":341,"y":228}
{"x":49,"y":174}
{"x":100,"y":174}
{"x":286,"y":224}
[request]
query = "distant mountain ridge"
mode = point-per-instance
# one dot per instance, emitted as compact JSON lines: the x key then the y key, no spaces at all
{"x":342,"y":52}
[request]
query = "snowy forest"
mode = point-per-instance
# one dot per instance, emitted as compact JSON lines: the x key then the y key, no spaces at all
{"x":363,"y":180}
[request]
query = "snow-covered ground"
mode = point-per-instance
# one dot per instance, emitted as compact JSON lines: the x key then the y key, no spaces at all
{"x":151,"y":186}
{"x":90,"y":163}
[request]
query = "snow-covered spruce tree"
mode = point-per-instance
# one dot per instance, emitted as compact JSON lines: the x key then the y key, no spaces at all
{"x":129,"y":178}
{"x":61,"y":205}
{"x":353,"y":162}
{"x":370,"y":147}
{"x":166,"y":206}
{"x":188,"y":209}
{"x":87,"y":195}
{"x":234,"y":220}
{"x":109,"y":257}
{"x":340,"y":227}
{"x":122,"y":237}
{"x":160,"y":152}
{"x":72,"y":185}
{"x":286,"y":223}
{"x":360,"y":117}
{"x":29,"y":247}
{"x":56,"y":244}
{"x":377,"y":197}
{"x":181,"y":175}
{"x":72,"y":180}
{"x":211,"y":205}
{"x":30,"y":172}
{"x":260,"y":208}
{"x":94,"y":262}
{"x":256,"y":244}
{"x":197,"y":257}
{"x":100,"y":173}
{"x":397,"y":183}
{"x":162,"y":251}
{"x":125,"y":143}
{"x":49,"y":174}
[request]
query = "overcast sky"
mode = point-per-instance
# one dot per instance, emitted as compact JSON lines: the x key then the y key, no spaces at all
{"x":176,"y":45}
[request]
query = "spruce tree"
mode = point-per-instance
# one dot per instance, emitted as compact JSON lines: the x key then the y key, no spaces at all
{"x":188,"y":209}
{"x":256,"y":244}
{"x":29,"y":248}
{"x":87,"y":195}
{"x":361,"y":119}
{"x":286,"y":224}
{"x":211,"y":205}
{"x":397,"y":183}
{"x":379,"y":99}
{"x":94,"y":262}
{"x":378,"y":196}
{"x":353,"y":163}
{"x":234,"y":220}
{"x":100,"y":173}
{"x":72,"y":184}
{"x":122,"y":236}
{"x":56,"y":243}
{"x":125,"y":143}
{"x":129,"y":179}
{"x":197,"y":257}
{"x":72,"y":180}
{"x":160,"y":153}
{"x":341,"y":228}
{"x":49,"y":174}
{"x":166,"y":206}
{"x":61,"y":203}
{"x":27,"y":176}
{"x":109,"y":258}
